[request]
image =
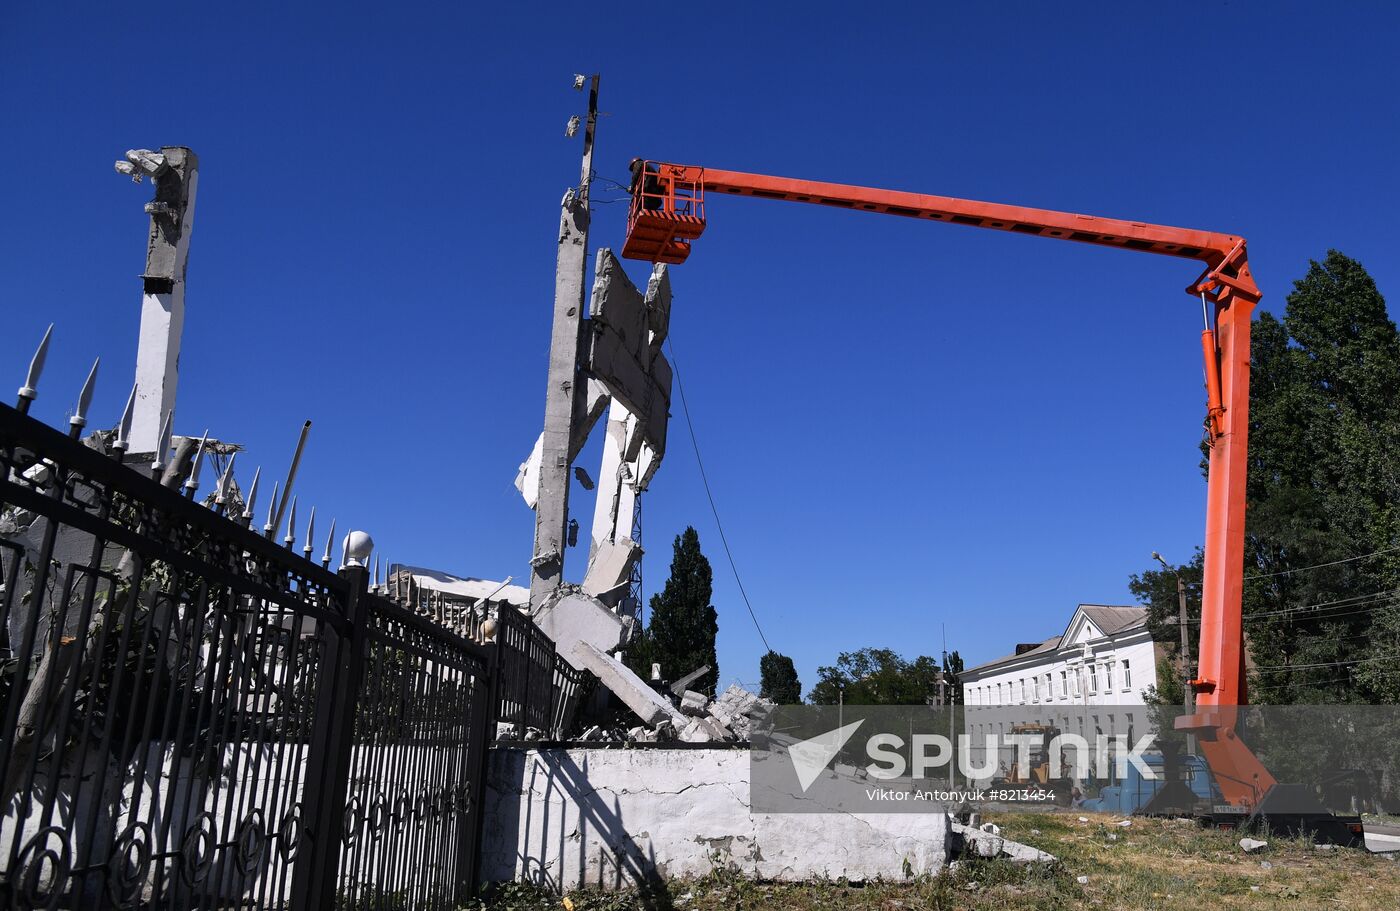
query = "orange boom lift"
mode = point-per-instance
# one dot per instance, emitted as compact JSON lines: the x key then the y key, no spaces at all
{"x":668,"y":213}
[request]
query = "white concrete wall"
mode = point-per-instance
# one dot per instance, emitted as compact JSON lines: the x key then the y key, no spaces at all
{"x":614,"y":817}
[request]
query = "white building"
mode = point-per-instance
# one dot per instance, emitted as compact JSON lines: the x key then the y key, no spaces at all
{"x":1104,"y":657}
{"x":1087,"y":682}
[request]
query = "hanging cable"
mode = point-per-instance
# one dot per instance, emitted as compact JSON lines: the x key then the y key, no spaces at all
{"x":685,"y":409}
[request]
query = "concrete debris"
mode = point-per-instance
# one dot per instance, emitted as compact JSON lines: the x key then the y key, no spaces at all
{"x":649,"y":705}
{"x":693,"y":703}
{"x":991,"y":827}
{"x":1124,"y":823}
{"x":983,"y":843}
{"x":1252,"y":845}
{"x":1083,"y":880}
{"x":680,"y":686}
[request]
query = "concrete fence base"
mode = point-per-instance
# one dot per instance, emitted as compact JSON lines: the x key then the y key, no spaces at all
{"x":568,"y":818}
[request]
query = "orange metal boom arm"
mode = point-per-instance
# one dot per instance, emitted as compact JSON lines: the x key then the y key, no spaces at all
{"x":668,"y":212}
{"x":1210,"y":247}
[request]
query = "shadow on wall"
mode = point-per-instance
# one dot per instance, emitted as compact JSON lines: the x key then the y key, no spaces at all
{"x":542,"y":809}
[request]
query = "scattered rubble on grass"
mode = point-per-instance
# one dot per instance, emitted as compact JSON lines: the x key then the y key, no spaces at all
{"x":985,"y":842}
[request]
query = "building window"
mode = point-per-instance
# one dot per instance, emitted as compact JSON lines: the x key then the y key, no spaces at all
{"x":1127,"y":675}
{"x":1108,"y":677}
{"x":1093,"y":679}
{"x":1023,"y":689}
{"x":1064,"y":684}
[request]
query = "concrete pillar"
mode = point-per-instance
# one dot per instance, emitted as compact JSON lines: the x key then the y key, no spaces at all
{"x":163,"y":289}
{"x":566,"y":393}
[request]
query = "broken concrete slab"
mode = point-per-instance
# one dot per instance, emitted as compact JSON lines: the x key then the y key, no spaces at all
{"x":648,"y":705}
{"x":610,"y":567}
{"x":575,"y":617}
{"x":986,"y":844}
{"x":683,"y":684}
{"x":693,"y":703}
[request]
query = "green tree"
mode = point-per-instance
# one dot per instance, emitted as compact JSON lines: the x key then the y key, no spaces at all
{"x":779,"y":679}
{"x":952,"y":675}
{"x":876,"y":676}
{"x":680,"y":635}
{"x":1324,"y":490}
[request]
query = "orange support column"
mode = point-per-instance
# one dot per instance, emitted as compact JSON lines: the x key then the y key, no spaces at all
{"x":1220,"y":679}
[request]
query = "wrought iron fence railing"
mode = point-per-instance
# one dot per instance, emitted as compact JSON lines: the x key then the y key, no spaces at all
{"x":535,"y":686}
{"x":192,"y":716}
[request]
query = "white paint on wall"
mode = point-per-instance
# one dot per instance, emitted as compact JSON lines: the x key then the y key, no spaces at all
{"x":615,"y":818}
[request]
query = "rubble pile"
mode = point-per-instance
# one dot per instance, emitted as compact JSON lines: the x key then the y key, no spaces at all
{"x":730,"y":718}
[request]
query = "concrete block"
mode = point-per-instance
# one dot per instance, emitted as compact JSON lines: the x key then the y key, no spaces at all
{"x":645,"y":702}
{"x":575,"y":617}
{"x":693,"y":703}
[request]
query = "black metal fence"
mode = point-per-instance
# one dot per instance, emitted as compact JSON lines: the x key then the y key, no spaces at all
{"x":192,"y":716}
{"x":536,"y":687}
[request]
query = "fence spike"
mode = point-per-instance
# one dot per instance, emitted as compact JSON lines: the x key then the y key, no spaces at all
{"x":376,"y":574}
{"x":123,"y":440}
{"x":30,"y":390}
{"x":192,"y":484}
{"x":162,"y":442}
{"x":252,"y":495}
{"x":330,"y":539}
{"x":308,"y":547}
{"x":291,"y":537}
{"x":268,"y":528}
{"x":79,"y":420}
{"x":221,"y":494}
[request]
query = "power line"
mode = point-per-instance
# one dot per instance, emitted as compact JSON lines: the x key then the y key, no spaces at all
{"x":685,"y":408}
{"x":1316,"y":566}
{"x":1299,"y":569}
{"x":1302,"y":667}
{"x":1376,"y":599}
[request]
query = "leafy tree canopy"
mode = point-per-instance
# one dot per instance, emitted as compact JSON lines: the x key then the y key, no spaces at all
{"x":876,"y":676}
{"x":1324,"y":488}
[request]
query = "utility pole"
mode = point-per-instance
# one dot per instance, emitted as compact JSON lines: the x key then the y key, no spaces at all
{"x":567,"y":389}
{"x":175,"y":172}
{"x":1188,"y":700}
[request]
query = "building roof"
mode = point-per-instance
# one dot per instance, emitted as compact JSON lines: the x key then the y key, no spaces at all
{"x":1114,"y":618}
{"x":1108,"y":619}
{"x":1049,"y":645}
{"x":467,"y":586}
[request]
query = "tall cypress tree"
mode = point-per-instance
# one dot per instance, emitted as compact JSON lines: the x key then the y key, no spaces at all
{"x":680,"y":635}
{"x":779,"y":679}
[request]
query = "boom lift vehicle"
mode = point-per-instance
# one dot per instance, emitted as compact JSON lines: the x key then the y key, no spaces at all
{"x":667,"y":215}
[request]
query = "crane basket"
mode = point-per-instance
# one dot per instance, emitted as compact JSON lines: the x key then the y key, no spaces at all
{"x":667,"y":213}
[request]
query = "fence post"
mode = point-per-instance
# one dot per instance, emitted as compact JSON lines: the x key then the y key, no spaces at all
{"x":483,"y":739}
{"x":316,"y":877}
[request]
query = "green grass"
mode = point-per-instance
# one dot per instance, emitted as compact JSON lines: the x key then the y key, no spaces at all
{"x":1152,"y":864}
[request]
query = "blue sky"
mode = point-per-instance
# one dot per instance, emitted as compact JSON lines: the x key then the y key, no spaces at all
{"x":904,"y":424}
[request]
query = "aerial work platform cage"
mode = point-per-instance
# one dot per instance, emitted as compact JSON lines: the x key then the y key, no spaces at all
{"x":667,"y":213}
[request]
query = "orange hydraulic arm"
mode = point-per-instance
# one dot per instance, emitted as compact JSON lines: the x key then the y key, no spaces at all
{"x":668,"y":213}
